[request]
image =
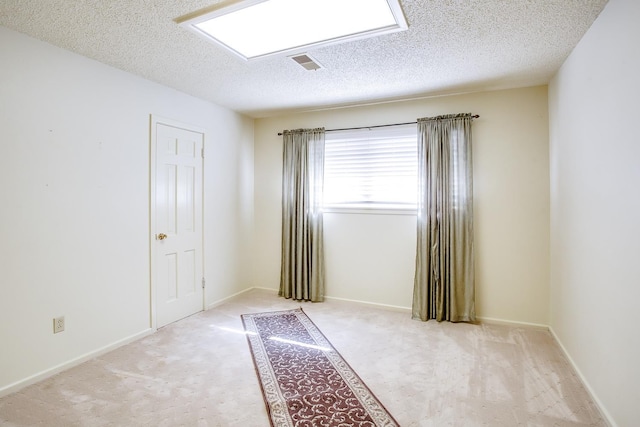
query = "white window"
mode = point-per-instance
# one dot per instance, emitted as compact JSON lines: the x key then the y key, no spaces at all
{"x":373,"y":168}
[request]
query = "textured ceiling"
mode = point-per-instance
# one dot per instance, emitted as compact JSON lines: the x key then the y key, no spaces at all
{"x":452,"y":46}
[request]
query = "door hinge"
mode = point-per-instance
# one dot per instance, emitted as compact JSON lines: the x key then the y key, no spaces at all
{"x":202,"y":152}
{"x":203,"y":283}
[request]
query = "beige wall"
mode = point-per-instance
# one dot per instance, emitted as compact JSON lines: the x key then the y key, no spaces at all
{"x":595,"y":209}
{"x":371,"y":257}
{"x":74,"y":221}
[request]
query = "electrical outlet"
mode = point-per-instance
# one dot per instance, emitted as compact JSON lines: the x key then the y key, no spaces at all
{"x":58,"y":324}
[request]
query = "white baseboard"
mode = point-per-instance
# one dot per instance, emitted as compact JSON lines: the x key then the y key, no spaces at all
{"x":401,"y":309}
{"x":367,"y":303}
{"x":18,"y":385}
{"x":271,"y":290}
{"x":372,"y":304}
{"x":607,"y":416}
{"x":230,"y":297}
{"x":495,"y":321}
{"x":488,"y":320}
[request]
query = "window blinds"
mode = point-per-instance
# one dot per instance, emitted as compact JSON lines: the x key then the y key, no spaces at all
{"x":371,"y":168}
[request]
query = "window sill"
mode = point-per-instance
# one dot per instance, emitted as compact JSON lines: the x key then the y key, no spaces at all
{"x":370,"y":211}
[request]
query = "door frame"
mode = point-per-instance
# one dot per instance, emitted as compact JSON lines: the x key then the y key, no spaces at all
{"x":154,"y":120}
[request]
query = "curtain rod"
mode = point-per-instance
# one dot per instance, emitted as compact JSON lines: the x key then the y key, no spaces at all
{"x":377,"y":126}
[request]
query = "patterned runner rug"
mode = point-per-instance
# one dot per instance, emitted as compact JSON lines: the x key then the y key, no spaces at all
{"x":304,"y":380}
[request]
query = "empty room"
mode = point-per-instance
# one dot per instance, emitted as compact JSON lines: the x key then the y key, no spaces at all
{"x":222,"y":213}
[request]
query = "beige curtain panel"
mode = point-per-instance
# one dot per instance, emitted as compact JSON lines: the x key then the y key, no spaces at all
{"x":444,"y":286}
{"x":302,"y":270}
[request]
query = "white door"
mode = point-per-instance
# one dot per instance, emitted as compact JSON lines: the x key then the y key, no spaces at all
{"x":176,"y":221}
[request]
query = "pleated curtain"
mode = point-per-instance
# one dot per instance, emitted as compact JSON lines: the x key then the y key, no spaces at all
{"x":302,"y":269}
{"x":444,"y":286}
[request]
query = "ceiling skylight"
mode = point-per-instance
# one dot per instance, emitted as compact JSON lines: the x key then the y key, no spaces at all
{"x":259,"y":28}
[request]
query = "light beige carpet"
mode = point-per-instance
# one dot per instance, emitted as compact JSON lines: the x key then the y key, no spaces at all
{"x":199,"y":372}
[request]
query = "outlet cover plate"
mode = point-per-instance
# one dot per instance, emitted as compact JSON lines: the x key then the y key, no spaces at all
{"x":58,"y":324}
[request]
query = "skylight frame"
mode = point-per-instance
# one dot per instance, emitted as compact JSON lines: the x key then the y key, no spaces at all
{"x":192,"y":21}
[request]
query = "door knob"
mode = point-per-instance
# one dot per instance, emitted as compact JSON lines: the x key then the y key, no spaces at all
{"x":161,"y":236}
